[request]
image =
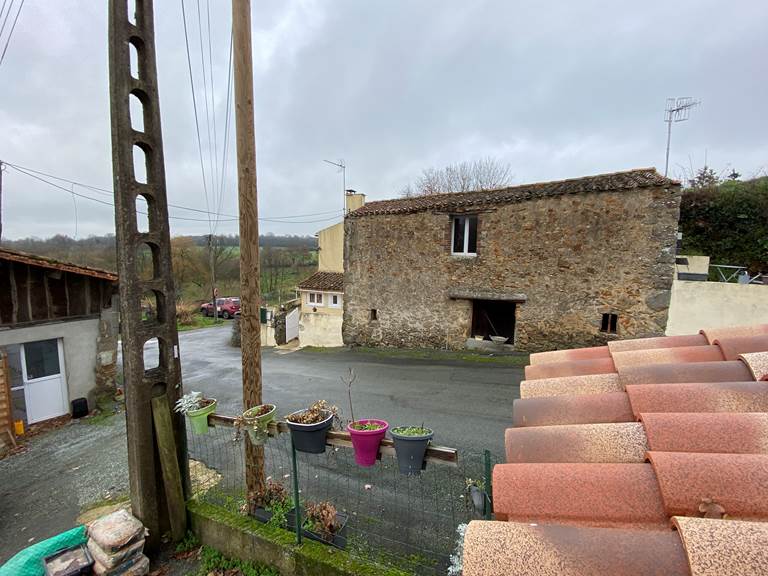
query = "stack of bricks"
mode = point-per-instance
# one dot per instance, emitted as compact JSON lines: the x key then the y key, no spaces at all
{"x":116,"y":543}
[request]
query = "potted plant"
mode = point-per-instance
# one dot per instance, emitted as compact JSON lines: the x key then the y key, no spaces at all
{"x":324,"y":524}
{"x":196,"y":408}
{"x":273,"y":505}
{"x":476,"y":489}
{"x":309,"y":427}
{"x":256,"y":421}
{"x":366,"y":434}
{"x":410,"y":446}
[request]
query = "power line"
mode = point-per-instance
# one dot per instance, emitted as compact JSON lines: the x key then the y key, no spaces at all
{"x":10,"y":34}
{"x":227,"y":116}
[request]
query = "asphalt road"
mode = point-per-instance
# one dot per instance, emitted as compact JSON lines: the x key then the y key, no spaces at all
{"x":468,"y":404}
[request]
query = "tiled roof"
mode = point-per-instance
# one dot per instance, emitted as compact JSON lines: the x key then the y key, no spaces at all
{"x":616,"y":181}
{"x":676,"y":431}
{"x":324,"y":282}
{"x":53,"y":264}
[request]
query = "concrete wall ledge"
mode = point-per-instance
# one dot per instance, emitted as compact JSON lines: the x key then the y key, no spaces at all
{"x":245,"y":538}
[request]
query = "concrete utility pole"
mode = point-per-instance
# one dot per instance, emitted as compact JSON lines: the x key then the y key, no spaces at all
{"x":250,"y":296}
{"x":155,"y":433}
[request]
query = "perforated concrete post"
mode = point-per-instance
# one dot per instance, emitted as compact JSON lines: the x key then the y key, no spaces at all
{"x":135,"y":32}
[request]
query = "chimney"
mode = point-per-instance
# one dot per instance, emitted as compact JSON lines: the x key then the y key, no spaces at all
{"x":354,"y":200}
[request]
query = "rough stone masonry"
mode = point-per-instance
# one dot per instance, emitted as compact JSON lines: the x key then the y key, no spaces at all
{"x":566,"y":252}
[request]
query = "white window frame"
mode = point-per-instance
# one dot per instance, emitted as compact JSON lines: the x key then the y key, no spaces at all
{"x":331,"y":296}
{"x":318,"y":298}
{"x":454,"y":220}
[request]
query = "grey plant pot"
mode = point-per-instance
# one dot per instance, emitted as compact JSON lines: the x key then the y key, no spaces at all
{"x":310,"y":438}
{"x":410,"y":452}
{"x":478,"y":499}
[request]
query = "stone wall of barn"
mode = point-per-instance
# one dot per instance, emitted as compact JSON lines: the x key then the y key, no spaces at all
{"x":568,"y":258}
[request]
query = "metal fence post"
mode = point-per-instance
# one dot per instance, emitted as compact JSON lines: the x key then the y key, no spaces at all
{"x":488,"y":485}
{"x":296,"y":502}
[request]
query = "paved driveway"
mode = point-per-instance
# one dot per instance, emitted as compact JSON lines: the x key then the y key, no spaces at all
{"x":468,"y":404}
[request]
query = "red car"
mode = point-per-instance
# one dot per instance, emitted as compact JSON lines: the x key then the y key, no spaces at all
{"x":226,"y":307}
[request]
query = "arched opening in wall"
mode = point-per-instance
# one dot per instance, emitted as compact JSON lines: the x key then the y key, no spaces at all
{"x":136,"y":109}
{"x":152,"y":306}
{"x":152,"y":354}
{"x":140,"y":168}
{"x":146,"y":261}
{"x":142,"y":214}
{"x":132,"y":12}
{"x":133,"y":48}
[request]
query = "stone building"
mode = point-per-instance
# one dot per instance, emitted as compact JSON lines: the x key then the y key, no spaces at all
{"x":534,"y":267}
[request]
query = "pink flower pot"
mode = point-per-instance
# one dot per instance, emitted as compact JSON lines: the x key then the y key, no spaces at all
{"x":366,"y":442}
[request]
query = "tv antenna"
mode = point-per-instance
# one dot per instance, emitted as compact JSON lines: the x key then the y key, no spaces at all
{"x":677,"y":110}
{"x":343,"y":169}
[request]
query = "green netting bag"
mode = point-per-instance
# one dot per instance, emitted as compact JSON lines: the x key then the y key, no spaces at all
{"x":29,"y":562}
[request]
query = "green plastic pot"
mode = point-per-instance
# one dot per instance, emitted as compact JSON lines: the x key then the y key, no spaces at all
{"x":252,"y":422}
{"x":198,"y":419}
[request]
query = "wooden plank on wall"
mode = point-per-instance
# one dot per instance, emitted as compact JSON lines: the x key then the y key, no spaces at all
{"x":6,"y":405}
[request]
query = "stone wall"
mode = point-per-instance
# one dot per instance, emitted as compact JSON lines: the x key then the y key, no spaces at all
{"x":571,"y":258}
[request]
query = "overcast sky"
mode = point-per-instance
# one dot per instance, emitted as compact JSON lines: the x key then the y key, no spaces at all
{"x":556,"y":89}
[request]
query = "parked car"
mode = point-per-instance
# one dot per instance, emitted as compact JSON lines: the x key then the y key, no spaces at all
{"x":226,"y":307}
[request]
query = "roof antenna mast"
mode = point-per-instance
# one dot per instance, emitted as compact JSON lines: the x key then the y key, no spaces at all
{"x":343,"y":168}
{"x":677,"y":110}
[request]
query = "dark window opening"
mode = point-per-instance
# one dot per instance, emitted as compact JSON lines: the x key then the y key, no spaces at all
{"x":609,"y":323}
{"x":464,"y":235}
{"x":374,"y":314}
{"x":494,"y":318}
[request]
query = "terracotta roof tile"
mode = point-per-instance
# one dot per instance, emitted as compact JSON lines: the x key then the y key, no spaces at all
{"x":570,"y":368}
{"x":702,"y":397}
{"x":588,"y":409}
{"x":732,"y":347}
{"x":624,"y":442}
{"x":734,"y":484}
{"x":324,"y":281}
{"x":509,"y":548}
{"x":724,"y":547}
{"x":571,"y":385}
{"x":53,"y":264}
{"x":713,"y":334}
{"x":734,"y":433}
{"x":724,"y":371}
{"x":657,"y":342}
{"x":597,"y":495}
{"x":757,"y":362}
{"x":556,"y":356}
{"x":682,"y":355}
{"x":617,"y":181}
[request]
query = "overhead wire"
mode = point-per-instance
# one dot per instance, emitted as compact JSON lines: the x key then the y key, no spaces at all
{"x":5,"y":18}
{"x":207,"y":110}
{"x":10,"y":34}
{"x":215,"y":156}
{"x":227,"y":116}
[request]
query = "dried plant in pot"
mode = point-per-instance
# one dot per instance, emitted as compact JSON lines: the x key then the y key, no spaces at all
{"x":324,"y":524}
{"x":256,"y":421}
{"x":411,"y":446}
{"x":309,"y":427}
{"x":273,"y":505}
{"x":196,"y":408}
{"x":366,"y":434}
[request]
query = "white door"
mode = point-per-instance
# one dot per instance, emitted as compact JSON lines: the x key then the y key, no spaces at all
{"x":292,"y":325}
{"x":45,"y":386}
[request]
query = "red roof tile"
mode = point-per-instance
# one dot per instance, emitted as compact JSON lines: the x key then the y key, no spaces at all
{"x":736,"y":484}
{"x":623,"y":442}
{"x":324,"y":282}
{"x":571,"y":385}
{"x":757,"y":362}
{"x":588,"y":494}
{"x":515,"y":549}
{"x":723,"y":433}
{"x":724,"y":371}
{"x":617,"y":181}
{"x":724,"y":547}
{"x":588,"y":409}
{"x":568,"y":355}
{"x":570,"y":368}
{"x":682,"y":354}
{"x":53,"y":264}
{"x":657,"y":342}
{"x":702,"y":397}
{"x":713,"y":334}
{"x":732,"y":347}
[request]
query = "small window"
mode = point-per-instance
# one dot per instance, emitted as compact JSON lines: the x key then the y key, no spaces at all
{"x":464,"y":235}
{"x":334,"y":300}
{"x":609,"y":322}
{"x":316,"y":298}
{"x":374,"y":314}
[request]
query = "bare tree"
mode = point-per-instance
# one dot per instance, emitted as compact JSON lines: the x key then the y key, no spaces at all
{"x":477,"y":175}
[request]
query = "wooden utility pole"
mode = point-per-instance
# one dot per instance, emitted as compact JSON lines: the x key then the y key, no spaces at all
{"x":1,"y":200}
{"x":250,"y":296}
